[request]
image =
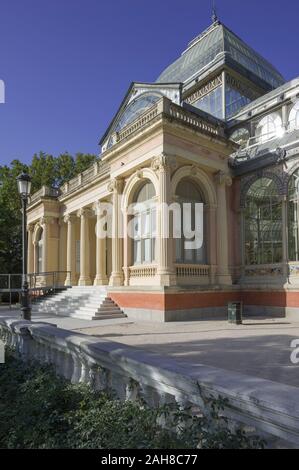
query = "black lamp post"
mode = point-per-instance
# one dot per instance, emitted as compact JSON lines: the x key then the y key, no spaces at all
{"x":24,"y":187}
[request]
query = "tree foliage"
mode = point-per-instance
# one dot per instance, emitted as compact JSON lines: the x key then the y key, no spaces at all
{"x":45,"y":170}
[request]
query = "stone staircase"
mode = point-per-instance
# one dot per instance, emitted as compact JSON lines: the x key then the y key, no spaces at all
{"x":87,"y":303}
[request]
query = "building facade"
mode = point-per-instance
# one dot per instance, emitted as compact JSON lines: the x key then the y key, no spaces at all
{"x":220,"y":128}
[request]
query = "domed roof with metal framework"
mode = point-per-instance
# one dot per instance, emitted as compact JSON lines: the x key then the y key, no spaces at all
{"x":217,"y":46}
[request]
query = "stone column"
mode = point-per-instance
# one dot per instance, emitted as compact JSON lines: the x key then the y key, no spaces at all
{"x":127,"y":247}
{"x":212,"y":243}
{"x":117,"y":277}
{"x":84,"y":279}
{"x":162,"y":165}
{"x":44,"y":222}
{"x":101,"y":276}
{"x":223,"y":275}
{"x":70,"y":250}
{"x":30,"y":249}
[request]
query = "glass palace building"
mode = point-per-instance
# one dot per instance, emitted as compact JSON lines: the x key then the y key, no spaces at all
{"x":219,"y":127}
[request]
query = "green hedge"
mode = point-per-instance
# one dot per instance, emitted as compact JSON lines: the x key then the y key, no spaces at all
{"x":40,"y":410}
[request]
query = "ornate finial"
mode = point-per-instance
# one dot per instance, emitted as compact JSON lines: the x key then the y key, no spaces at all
{"x":214,"y":12}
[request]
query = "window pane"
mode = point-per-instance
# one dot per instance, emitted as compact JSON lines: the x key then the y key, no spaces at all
{"x":137,"y":252}
{"x":211,"y":103}
{"x":137,"y":226}
{"x":145,"y":224}
{"x":147,"y":250}
{"x":263,"y":224}
{"x":234,"y":101}
{"x":188,"y":255}
{"x":178,"y":249}
{"x":154,"y":221}
{"x":153,"y":249}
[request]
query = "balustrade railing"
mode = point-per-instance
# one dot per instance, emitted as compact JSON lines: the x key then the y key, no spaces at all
{"x":45,"y":191}
{"x":142,"y":271}
{"x":192,"y":270}
{"x":97,"y":170}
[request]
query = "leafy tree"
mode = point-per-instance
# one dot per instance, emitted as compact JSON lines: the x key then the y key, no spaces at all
{"x":45,"y":170}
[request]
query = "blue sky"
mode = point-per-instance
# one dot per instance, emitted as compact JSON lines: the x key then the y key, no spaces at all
{"x":67,"y":64}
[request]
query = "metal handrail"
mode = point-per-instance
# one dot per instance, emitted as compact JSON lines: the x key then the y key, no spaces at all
{"x":38,"y":282}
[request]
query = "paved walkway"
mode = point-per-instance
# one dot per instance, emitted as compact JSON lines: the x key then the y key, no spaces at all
{"x":61,"y":321}
{"x":260,"y":348}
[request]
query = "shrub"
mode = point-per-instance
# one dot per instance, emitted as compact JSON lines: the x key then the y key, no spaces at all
{"x":40,"y":410}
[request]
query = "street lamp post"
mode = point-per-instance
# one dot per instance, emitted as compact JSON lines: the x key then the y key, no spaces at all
{"x":24,"y":187}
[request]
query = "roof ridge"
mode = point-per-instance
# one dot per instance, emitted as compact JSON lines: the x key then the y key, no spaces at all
{"x":202,"y":35}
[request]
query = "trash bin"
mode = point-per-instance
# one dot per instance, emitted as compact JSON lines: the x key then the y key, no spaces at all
{"x":234,"y":312}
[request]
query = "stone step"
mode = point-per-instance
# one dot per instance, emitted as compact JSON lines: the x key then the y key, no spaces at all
{"x":89,"y":302}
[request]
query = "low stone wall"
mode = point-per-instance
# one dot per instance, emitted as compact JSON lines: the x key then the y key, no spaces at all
{"x":270,"y":409}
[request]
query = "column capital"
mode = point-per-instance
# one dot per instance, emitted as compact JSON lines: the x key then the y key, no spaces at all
{"x":30,"y":227}
{"x":84,"y":212}
{"x":222,"y":178}
{"x":115,"y":185}
{"x":46,"y":220}
{"x":163,"y":162}
{"x":69,"y":218}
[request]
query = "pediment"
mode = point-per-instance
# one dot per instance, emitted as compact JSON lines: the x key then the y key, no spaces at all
{"x":139,"y":98}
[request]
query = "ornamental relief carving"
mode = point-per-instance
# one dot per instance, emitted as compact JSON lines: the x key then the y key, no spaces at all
{"x":163,"y":162}
{"x":116,"y":184}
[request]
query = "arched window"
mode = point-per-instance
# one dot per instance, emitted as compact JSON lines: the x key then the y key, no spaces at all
{"x":294,"y":117}
{"x":293,"y":217}
{"x":269,"y":127}
{"x":188,"y":192}
{"x":137,"y":107}
{"x":39,"y":252}
{"x":145,"y":224}
{"x":263,"y":223}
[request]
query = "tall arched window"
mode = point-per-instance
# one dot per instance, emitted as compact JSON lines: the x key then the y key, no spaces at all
{"x":263,"y":223}
{"x":269,"y":127}
{"x":39,"y":252}
{"x":188,"y":192}
{"x":293,"y":217}
{"x":294,"y":117}
{"x":145,"y":225}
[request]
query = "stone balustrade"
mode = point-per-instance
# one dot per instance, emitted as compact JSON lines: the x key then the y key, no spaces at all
{"x":143,"y":271}
{"x":264,"y":407}
{"x":192,"y":270}
{"x":45,"y":191}
{"x":97,"y":170}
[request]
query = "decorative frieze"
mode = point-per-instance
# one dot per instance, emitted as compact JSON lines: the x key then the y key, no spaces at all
{"x":204,"y":90}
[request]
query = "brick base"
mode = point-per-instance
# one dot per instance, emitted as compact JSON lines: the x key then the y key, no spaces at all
{"x":184,"y":305}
